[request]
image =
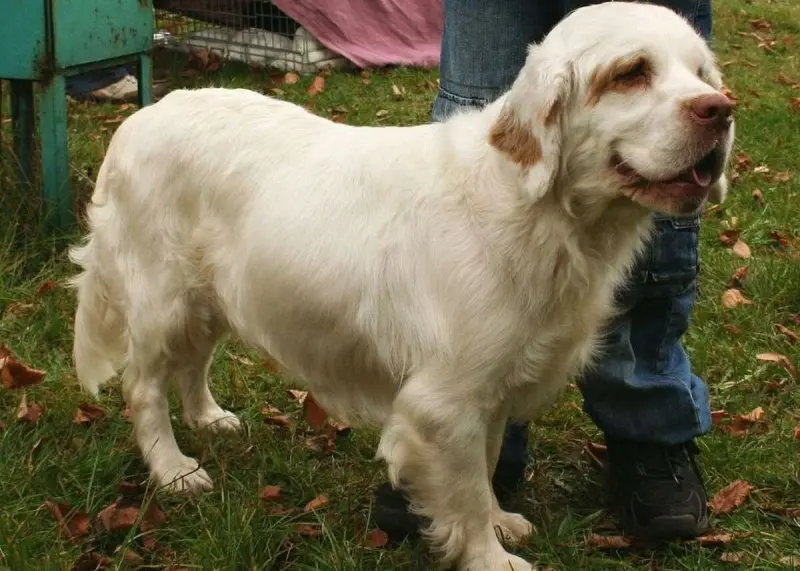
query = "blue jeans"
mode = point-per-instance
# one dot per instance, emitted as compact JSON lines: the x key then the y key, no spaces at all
{"x":643,"y":388}
{"x":81,"y":85}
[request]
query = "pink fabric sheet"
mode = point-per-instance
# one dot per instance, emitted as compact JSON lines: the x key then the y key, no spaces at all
{"x":373,"y":33}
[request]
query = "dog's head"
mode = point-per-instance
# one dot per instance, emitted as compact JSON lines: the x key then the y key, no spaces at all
{"x":620,"y":100}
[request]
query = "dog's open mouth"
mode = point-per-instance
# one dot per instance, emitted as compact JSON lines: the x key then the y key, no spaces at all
{"x":683,"y":193}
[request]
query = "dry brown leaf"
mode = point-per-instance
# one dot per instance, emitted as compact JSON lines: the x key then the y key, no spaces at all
{"x":291,"y":78}
{"x":398,"y":92}
{"x":733,"y":297}
{"x":377,"y":538}
{"x":274,"y":416}
{"x":73,"y":524}
{"x":729,"y":237}
{"x":732,"y":557}
{"x":119,"y":516}
{"x":788,"y":333}
{"x":761,"y":24}
{"x":732,"y":329}
{"x":308,"y":530}
{"x":16,"y":375}
{"x":794,"y":103}
{"x":321,"y":444}
{"x":782,"y":360}
{"x":738,"y":277}
{"x":730,"y":497}
{"x":270,"y":494}
{"x":381,"y":113}
{"x":761,"y":169}
{"x":596,"y":453}
{"x":299,"y":396}
{"x":790,"y":561}
{"x":741,"y":249}
{"x":313,"y":413}
{"x":742,"y":161}
{"x":782,"y":176}
{"x":46,"y":287}
{"x":87,"y":413}
{"x":317,"y":503}
{"x":29,"y":412}
{"x":17,"y":308}
{"x":753,"y":416}
{"x":726,"y":91}
{"x":317,"y":86}
{"x":781,"y":238}
{"x":92,"y":561}
{"x":715,"y":538}
{"x":717,"y":416}
{"x":608,"y":541}
{"x":272,"y":366}
{"x":758,"y":196}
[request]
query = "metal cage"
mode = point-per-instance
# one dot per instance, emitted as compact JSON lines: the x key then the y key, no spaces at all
{"x":252,"y":31}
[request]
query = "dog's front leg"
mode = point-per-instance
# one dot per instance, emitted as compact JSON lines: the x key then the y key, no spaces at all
{"x":511,"y":528}
{"x":435,"y":445}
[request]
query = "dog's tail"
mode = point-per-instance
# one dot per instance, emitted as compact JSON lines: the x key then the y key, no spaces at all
{"x":100,"y":341}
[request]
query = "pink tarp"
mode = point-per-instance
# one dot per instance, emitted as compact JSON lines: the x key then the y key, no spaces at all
{"x":373,"y":33}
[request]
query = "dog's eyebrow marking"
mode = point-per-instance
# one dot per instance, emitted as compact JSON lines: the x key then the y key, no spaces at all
{"x":512,"y":138}
{"x":622,"y":75}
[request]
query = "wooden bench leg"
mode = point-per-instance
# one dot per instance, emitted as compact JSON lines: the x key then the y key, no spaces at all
{"x":22,"y":119}
{"x":145,"y":80}
{"x":55,"y":154}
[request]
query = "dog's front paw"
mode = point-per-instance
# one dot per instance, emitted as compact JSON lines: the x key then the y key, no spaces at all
{"x":511,"y":528}
{"x":183,"y":476}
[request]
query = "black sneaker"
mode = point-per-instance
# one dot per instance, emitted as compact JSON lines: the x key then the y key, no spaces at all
{"x":391,"y":506}
{"x":658,"y":490}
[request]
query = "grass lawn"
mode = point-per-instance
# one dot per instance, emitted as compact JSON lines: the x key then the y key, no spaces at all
{"x":81,"y":464}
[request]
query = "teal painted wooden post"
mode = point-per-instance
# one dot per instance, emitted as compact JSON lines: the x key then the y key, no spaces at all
{"x":22,"y":119}
{"x":145,"y":80}
{"x":55,"y":156}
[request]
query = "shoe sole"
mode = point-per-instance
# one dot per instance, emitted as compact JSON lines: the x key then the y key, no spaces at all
{"x":669,"y":528}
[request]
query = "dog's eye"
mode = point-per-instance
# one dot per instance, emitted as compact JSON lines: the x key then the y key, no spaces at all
{"x":638,"y":71}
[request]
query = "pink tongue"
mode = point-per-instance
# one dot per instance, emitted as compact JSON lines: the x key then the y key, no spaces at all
{"x":701,"y":179}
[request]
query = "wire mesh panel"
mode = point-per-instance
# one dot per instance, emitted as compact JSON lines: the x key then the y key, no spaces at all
{"x":252,"y":31}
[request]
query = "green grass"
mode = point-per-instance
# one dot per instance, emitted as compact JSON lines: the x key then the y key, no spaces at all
{"x":230,"y":528}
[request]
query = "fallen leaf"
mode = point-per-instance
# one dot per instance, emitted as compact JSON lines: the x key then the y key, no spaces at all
{"x":796,"y":432}
{"x":790,"y":561}
{"x":732,"y":557}
{"x":92,"y":561}
{"x":16,"y":375}
{"x":154,"y":517}
{"x":730,"y":497}
{"x":788,"y":333}
{"x":270,"y":494}
{"x":317,"y":503}
{"x":46,"y":287}
{"x":299,"y":396}
{"x":118,"y":516}
{"x":781,"y":238}
{"x":73,"y":524}
{"x":741,"y":249}
{"x":313,"y":413}
{"x":381,"y":113}
{"x":794,"y":103}
{"x":717,"y":416}
{"x":322,"y":443}
{"x":729,"y":237}
{"x":279,"y":511}
{"x":274,"y":416}
{"x":738,"y":277}
{"x":783,"y":79}
{"x":715,"y":539}
{"x":608,"y":541}
{"x":733,"y":297}
{"x":782,"y":360}
{"x":743,"y":161}
{"x":398,"y":92}
{"x":365,"y":79}
{"x":317,"y":86}
{"x":291,"y":78}
{"x":29,"y":412}
{"x":782,"y":176}
{"x":758,"y":196}
{"x":596,"y":454}
{"x":377,"y":538}
{"x":761,"y":24}
{"x":87,"y":413}
{"x":726,"y":91}
{"x":732,"y":329}
{"x":17,"y":308}
{"x":308,"y":530}
{"x":239,"y":359}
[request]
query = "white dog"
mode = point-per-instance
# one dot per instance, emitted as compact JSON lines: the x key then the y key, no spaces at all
{"x":432,"y":279}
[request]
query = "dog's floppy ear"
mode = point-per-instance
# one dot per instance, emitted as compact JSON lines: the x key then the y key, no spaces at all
{"x":528,"y":130}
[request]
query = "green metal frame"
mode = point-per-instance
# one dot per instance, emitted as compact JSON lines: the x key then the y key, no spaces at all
{"x":45,"y":41}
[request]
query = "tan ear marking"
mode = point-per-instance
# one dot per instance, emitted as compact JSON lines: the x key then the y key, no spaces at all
{"x":622,"y":75}
{"x":510,"y":137}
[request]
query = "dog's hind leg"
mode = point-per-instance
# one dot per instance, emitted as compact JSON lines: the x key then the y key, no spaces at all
{"x":200,"y":410}
{"x":157,"y":326}
{"x":436,"y":448}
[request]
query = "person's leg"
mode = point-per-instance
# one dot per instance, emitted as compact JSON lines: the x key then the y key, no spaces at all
{"x":643,"y":394}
